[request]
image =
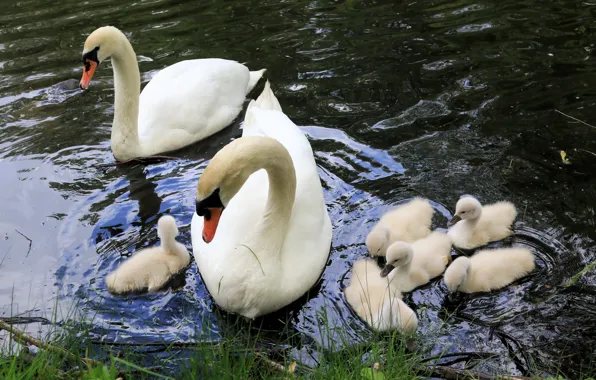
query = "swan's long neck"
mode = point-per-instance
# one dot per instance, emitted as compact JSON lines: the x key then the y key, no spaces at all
{"x":127,"y":86}
{"x":269,"y":234}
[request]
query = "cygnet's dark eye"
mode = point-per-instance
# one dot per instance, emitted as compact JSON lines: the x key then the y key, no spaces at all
{"x":463,"y":212}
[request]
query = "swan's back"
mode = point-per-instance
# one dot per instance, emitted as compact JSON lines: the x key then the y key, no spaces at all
{"x":410,"y":221}
{"x":212,"y":106}
{"x":492,"y":269}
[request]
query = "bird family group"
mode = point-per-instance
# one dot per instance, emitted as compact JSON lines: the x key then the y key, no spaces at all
{"x":261,"y":233}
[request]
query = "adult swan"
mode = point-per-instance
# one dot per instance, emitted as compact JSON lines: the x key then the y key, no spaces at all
{"x":261,"y":233}
{"x":182,"y":104}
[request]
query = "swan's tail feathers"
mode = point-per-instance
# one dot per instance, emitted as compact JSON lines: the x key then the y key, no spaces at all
{"x":254,"y":79}
{"x":267,"y":100}
{"x":250,"y":121}
{"x":167,"y":232}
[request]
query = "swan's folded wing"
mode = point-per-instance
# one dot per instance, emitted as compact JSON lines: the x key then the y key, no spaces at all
{"x":200,"y":96}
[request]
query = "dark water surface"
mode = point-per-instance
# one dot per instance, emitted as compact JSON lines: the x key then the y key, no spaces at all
{"x":429,"y":98}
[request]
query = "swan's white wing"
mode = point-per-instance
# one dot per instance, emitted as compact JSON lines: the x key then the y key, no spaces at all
{"x":306,"y":248}
{"x":196,"y":97}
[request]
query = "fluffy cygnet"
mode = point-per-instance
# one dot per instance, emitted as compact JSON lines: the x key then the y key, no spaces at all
{"x":473,"y":225}
{"x":376,"y":302}
{"x":151,"y":268}
{"x":488,"y":270}
{"x":412,"y":265}
{"x":407,"y":222}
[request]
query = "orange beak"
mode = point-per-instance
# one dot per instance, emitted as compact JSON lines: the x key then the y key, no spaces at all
{"x":210,"y":225}
{"x":88,"y":74}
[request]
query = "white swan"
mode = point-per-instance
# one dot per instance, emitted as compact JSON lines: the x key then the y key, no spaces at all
{"x":488,"y":270}
{"x":407,"y":222}
{"x":261,"y":234}
{"x":474,"y":225}
{"x":182,"y":104}
{"x":376,"y":302}
{"x":412,"y":265}
{"x":151,"y":268}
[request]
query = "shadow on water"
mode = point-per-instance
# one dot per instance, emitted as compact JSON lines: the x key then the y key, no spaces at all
{"x":433,"y":98}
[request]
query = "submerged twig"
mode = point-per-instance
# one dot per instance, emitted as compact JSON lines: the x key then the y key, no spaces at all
{"x":587,"y":151}
{"x":139,"y":369}
{"x":154,"y":344}
{"x":25,"y":320}
{"x":27,"y":339}
{"x":576,"y":119}
{"x":270,"y":362}
{"x":277,"y":366}
{"x":580,"y":274}
{"x":30,"y":241}
{"x":449,"y":373}
{"x":476,"y":355}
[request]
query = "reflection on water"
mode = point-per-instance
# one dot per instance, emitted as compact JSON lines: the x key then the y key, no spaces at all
{"x":434,"y":98}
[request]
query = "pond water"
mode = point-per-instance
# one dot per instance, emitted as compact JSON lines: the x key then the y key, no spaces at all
{"x":430,"y":98}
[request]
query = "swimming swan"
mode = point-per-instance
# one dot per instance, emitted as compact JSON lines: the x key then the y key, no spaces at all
{"x":488,"y":270}
{"x":474,"y":225}
{"x":412,"y":265}
{"x":376,"y":302}
{"x":182,"y":104}
{"x":407,"y":222}
{"x":151,"y":268}
{"x":261,"y":233}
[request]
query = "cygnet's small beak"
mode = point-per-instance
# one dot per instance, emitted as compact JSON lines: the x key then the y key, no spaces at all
{"x":386,"y":270}
{"x":455,"y":219}
{"x":454,"y":297}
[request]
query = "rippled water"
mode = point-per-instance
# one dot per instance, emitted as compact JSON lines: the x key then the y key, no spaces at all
{"x":430,"y":98}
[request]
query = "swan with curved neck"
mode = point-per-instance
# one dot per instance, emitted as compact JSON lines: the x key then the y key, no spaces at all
{"x":182,"y":104}
{"x":261,"y":233}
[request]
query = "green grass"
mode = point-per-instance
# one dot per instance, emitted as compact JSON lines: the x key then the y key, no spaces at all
{"x":247,"y":350}
{"x":244,"y":354}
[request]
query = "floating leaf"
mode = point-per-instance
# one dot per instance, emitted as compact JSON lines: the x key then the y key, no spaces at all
{"x":372,"y":374}
{"x":564,"y":158}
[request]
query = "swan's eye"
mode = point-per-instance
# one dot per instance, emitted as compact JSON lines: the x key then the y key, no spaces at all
{"x":91,"y":55}
{"x":212,"y":201}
